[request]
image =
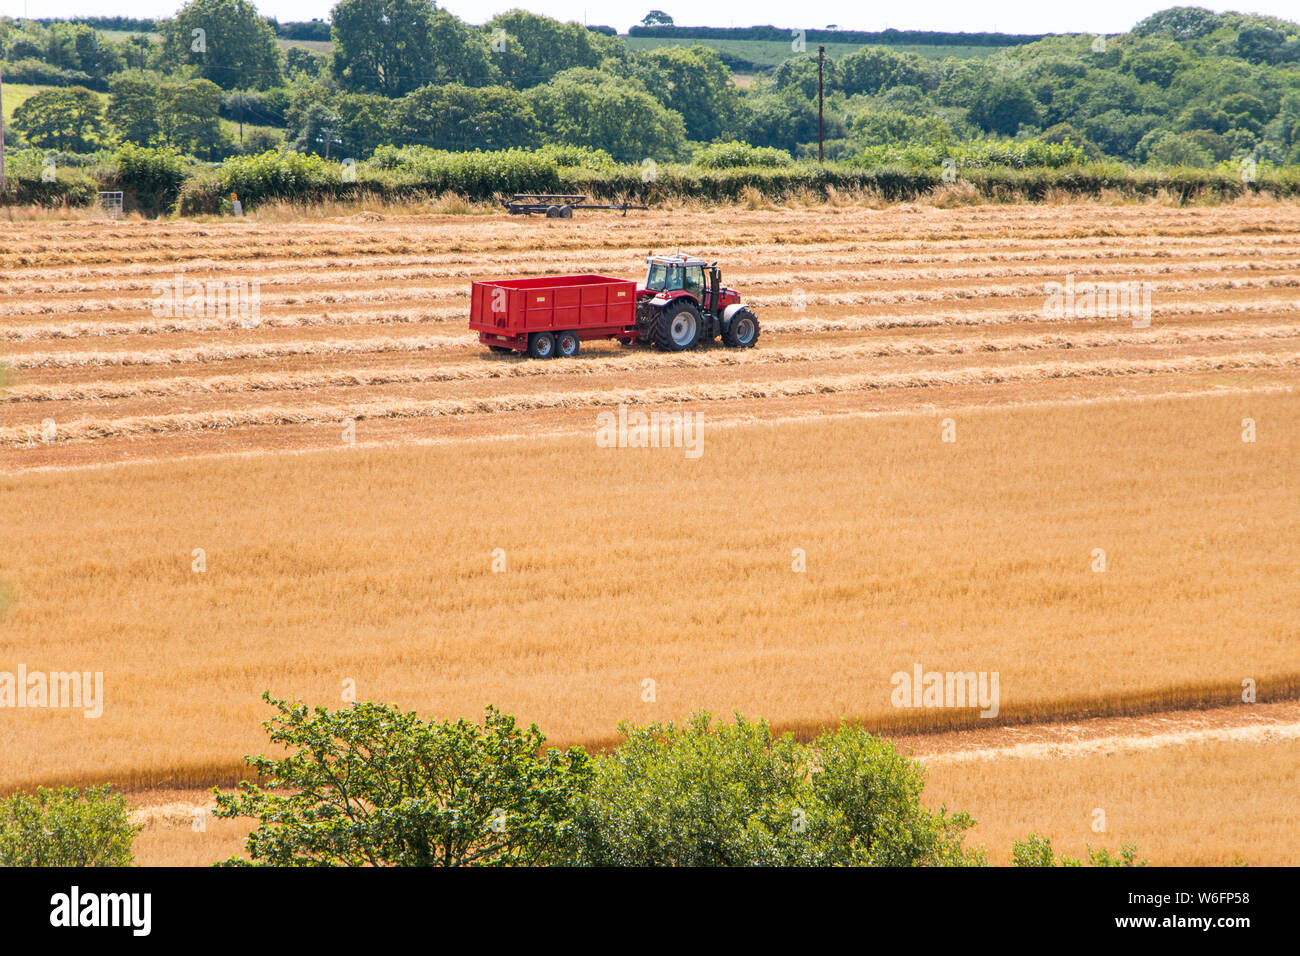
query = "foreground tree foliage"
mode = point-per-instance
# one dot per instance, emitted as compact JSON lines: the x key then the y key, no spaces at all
{"x":705,"y":794}
{"x":370,"y":785}
{"x":66,"y":827}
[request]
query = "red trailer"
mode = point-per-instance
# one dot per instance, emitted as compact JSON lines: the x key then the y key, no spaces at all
{"x":550,"y":315}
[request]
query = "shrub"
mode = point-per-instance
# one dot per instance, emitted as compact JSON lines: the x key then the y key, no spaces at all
{"x":273,"y":175}
{"x":733,"y":154}
{"x":153,"y":175}
{"x":1036,"y":850}
{"x":39,"y":73}
{"x":66,"y":827}
{"x":584,"y":157}
{"x":702,"y":794}
{"x":370,"y":785}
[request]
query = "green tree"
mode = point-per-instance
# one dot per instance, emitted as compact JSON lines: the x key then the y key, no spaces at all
{"x":75,"y":46}
{"x":875,"y":68}
{"x":1003,"y":106}
{"x":68,"y":119}
{"x":459,"y":117}
{"x":785,"y":120}
{"x":392,"y":47}
{"x":799,"y":74}
{"x":364,"y":121}
{"x":226,"y":41}
{"x":133,"y":106}
{"x":590,"y":108}
{"x":321,"y":131}
{"x":529,"y":49}
{"x":1154,"y":61}
{"x":1180,"y":23}
{"x":697,"y":84}
{"x":190,"y":115}
{"x":371,"y":785}
{"x":66,"y":827}
{"x":299,"y":60}
{"x":705,"y":794}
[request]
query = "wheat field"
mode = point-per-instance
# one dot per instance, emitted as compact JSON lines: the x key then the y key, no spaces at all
{"x":920,"y":464}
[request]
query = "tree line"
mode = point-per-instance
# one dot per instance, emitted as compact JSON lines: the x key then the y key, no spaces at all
{"x":1185,"y":87}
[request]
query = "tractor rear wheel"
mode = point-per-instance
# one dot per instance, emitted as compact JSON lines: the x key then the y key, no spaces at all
{"x":677,"y":327}
{"x":567,"y":344}
{"x":742,"y":331}
{"x":541,"y":345}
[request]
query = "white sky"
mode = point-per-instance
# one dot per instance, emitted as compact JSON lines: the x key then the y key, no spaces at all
{"x":1007,"y":16}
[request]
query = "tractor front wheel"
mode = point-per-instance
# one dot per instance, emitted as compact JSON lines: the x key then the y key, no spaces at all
{"x":676,"y":327}
{"x":742,"y":331}
{"x":541,"y":345}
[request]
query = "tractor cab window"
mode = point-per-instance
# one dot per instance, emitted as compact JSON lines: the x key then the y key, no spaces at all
{"x":694,"y":282}
{"x":663,"y":277}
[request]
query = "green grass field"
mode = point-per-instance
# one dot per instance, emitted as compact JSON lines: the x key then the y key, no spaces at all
{"x":15,"y":94}
{"x":770,"y":53}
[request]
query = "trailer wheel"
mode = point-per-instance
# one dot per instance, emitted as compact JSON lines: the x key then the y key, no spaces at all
{"x":541,"y":345}
{"x":742,"y":331}
{"x":566,"y":212}
{"x":500,"y":349}
{"x":677,"y":327}
{"x":567,"y":344}
{"x":552,"y":212}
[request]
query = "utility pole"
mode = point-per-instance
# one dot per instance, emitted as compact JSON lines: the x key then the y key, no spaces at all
{"x":2,"y":133}
{"x":821,"y":151}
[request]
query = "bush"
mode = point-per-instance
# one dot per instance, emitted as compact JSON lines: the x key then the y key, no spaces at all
{"x":153,"y":176}
{"x":370,"y":785}
{"x":734,"y":154}
{"x":39,"y":73}
{"x":578,"y":156}
{"x":66,"y":827}
{"x":273,"y":175}
{"x":977,"y":154}
{"x":733,"y":795}
{"x":1036,"y":850}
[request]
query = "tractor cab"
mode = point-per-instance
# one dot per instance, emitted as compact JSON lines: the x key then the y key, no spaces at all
{"x":675,"y":273}
{"x":671,"y":277}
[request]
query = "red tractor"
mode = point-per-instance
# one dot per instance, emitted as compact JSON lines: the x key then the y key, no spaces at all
{"x":682,"y":303}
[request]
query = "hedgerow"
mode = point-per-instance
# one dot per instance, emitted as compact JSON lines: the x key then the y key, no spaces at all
{"x":1008,"y":171}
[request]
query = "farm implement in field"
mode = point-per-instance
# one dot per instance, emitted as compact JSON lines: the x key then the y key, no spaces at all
{"x":556,"y":205}
{"x":681,"y":303}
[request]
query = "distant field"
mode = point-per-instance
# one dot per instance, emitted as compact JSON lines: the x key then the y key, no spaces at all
{"x":320,"y":46}
{"x":316,"y":46}
{"x":16,"y":94}
{"x":119,"y":35}
{"x":770,"y":53}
